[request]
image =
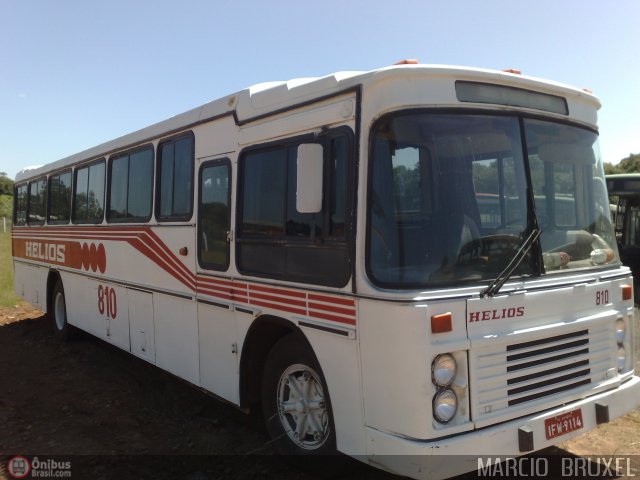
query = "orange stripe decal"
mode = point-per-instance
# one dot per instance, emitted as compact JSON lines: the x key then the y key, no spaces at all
{"x":81,"y":248}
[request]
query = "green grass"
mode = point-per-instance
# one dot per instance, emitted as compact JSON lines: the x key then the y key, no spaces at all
{"x":7,"y":297}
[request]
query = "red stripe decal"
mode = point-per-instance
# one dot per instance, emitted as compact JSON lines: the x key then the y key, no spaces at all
{"x":215,"y":281}
{"x":149,"y":244}
{"x":277,"y":291}
{"x":328,"y":308}
{"x":278,"y":299}
{"x":277,"y":307}
{"x":339,"y":301}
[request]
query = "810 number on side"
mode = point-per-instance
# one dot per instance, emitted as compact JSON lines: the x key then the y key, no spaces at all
{"x":107,"y":301}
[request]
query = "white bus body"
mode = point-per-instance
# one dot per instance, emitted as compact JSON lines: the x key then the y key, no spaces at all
{"x":430,"y":178}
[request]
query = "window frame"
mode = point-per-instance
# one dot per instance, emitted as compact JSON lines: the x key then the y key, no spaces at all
{"x":46,"y":206}
{"x":214,"y":163}
{"x":74,"y":206}
{"x":16,"y":187}
{"x":158,"y":174}
{"x":268,"y":147}
{"x":109,"y":174}
{"x":326,"y":239}
{"x":350,"y":190}
{"x":50,"y":191}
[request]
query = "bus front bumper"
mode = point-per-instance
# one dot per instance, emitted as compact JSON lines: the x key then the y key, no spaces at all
{"x":468,"y":452}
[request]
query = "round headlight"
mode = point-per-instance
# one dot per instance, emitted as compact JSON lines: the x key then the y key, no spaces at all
{"x":443,"y":370}
{"x":620,"y":331}
{"x":622,"y":359}
{"x":445,"y":404}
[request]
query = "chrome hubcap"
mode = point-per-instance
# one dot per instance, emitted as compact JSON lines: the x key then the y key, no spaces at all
{"x":60,"y":311}
{"x":302,"y":407}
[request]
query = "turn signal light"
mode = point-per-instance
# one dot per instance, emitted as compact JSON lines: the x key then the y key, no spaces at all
{"x":441,"y":323}
{"x":627,"y":292}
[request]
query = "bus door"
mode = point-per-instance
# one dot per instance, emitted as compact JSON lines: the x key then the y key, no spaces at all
{"x":217,"y":326}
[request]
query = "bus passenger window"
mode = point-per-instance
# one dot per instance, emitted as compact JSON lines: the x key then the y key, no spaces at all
{"x":60,"y":198}
{"x":175,"y":180}
{"x":131,"y":178}
{"x":263,"y":193}
{"x":339,"y":157}
{"x":89,"y":194}
{"x":37,"y":201}
{"x":213,"y":225}
{"x":20,"y":214}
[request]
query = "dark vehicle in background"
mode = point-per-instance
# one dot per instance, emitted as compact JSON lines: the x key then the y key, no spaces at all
{"x":624,"y":196}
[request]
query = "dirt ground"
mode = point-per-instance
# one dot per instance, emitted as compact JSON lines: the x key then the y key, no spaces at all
{"x":119,"y":417}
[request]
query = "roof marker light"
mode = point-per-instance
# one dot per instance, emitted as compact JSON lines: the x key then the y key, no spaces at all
{"x":407,"y":61}
{"x":512,"y":70}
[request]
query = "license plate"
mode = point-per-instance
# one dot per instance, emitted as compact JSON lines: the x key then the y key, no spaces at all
{"x":563,"y":424}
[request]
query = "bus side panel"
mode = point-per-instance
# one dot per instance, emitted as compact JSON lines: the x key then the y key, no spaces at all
{"x":30,"y":283}
{"x":82,"y":304}
{"x":20,"y":276}
{"x":338,"y":357}
{"x":396,"y":367}
{"x":176,"y":336}
{"x":141,"y":325}
{"x":98,"y":307}
{"x":218,"y":340}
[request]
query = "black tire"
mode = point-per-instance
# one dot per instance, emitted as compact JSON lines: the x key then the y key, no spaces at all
{"x":58,"y":314}
{"x":307,"y":429}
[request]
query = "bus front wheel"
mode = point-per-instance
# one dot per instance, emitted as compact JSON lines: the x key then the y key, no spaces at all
{"x":295,"y":400}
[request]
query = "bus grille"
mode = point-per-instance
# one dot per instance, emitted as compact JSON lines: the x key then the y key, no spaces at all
{"x":524,"y":375}
{"x":571,"y":357}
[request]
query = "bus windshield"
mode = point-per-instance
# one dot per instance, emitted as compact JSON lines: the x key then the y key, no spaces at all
{"x":452,"y":198}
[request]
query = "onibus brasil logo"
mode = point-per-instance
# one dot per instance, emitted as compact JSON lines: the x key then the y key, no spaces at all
{"x":21,"y":467}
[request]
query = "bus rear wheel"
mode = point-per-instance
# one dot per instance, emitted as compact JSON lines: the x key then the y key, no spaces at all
{"x":295,"y":401}
{"x":59,"y":323}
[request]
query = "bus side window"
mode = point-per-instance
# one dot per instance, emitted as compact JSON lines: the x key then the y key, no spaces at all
{"x":37,"y":201}
{"x":214,"y":217}
{"x":89,"y":194}
{"x":174,"y":196}
{"x":131,"y":186}
{"x":20,"y":214}
{"x":59,"y":198}
{"x":276,"y":240}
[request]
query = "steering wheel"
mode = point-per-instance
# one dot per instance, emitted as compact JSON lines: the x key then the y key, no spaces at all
{"x":482,"y":248}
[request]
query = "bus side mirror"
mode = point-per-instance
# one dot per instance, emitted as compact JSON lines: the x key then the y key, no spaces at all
{"x":309,"y":178}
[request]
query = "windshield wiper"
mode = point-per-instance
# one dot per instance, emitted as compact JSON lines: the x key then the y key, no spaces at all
{"x":515,"y":262}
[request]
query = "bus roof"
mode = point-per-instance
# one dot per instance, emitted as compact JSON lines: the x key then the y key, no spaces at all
{"x":268,"y":98}
{"x":623,"y":184}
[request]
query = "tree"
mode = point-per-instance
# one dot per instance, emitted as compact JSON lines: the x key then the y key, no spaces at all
{"x":630,"y":164}
{"x":6,"y":207}
{"x":6,"y":184}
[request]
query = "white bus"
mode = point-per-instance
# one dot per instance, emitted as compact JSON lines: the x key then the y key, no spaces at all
{"x":317,"y":247}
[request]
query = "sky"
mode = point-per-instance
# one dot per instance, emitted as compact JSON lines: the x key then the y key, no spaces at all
{"x":76,"y":73}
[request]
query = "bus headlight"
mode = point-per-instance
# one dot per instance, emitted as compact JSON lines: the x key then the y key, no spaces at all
{"x":620,"y":331}
{"x":445,"y":405}
{"x":443,"y":370}
{"x":622,"y":358}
